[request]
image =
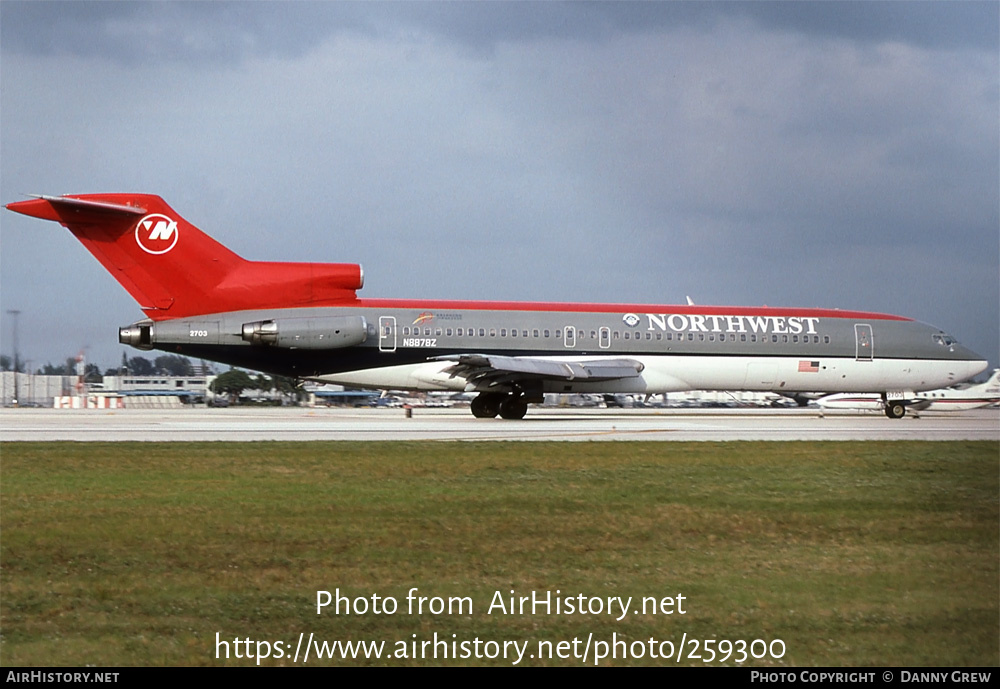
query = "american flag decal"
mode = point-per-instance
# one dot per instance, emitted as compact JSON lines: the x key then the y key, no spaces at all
{"x":808,"y":367}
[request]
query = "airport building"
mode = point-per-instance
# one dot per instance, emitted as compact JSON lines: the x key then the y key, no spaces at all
{"x":66,"y":392}
{"x":30,"y":390}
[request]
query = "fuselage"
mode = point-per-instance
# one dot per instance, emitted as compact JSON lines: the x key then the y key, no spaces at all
{"x":678,"y":347}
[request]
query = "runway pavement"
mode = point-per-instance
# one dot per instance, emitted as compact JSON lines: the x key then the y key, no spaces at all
{"x":301,"y":424}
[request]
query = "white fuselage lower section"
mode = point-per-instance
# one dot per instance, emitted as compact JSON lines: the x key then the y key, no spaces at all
{"x":678,"y":373}
{"x":962,"y":398}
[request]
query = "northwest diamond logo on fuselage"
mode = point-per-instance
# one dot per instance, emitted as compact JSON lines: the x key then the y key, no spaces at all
{"x":630,"y":319}
{"x":156,"y":234}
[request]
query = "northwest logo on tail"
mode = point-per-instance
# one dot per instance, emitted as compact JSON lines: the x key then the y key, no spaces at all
{"x":156,"y":234}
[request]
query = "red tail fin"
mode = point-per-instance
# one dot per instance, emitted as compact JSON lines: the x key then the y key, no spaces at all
{"x":174,"y":270}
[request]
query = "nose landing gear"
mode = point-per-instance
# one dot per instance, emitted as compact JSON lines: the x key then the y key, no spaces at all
{"x":895,"y":410}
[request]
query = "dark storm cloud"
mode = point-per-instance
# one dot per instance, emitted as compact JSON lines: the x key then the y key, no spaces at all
{"x":925,"y":24}
{"x":143,"y":32}
{"x":232,"y":31}
{"x":948,"y":25}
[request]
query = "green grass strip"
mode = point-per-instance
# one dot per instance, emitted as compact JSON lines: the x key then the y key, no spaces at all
{"x":851,"y":553}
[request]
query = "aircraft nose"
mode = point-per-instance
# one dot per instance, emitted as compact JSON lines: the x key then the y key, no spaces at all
{"x":974,"y":363}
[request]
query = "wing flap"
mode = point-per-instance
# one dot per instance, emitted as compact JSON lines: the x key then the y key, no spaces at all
{"x":495,"y":366}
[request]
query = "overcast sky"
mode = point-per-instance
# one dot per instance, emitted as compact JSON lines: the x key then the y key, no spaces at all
{"x":791,"y":154}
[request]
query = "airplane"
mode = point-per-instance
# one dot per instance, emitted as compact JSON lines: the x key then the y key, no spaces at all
{"x":958,"y":398}
{"x":305,"y":320}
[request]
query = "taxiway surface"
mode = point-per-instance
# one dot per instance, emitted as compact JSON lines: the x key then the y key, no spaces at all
{"x":301,"y":424}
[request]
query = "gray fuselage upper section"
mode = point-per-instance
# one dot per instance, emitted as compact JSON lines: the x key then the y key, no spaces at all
{"x":394,"y":335}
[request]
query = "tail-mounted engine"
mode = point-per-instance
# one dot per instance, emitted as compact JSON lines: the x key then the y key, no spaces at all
{"x":329,"y":332}
{"x":138,"y":335}
{"x":332,"y":332}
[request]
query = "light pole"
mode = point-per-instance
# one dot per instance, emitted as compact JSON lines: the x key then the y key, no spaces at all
{"x":17,"y":362}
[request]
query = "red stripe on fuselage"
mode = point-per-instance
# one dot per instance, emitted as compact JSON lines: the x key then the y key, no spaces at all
{"x":465,"y":305}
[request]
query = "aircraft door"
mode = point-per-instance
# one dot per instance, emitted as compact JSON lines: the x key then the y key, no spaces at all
{"x":569,"y":336}
{"x":864,"y":342}
{"x":604,"y":337}
{"x":387,"y":333}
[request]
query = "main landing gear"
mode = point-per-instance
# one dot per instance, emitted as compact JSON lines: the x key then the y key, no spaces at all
{"x":508,"y":406}
{"x":895,"y":410}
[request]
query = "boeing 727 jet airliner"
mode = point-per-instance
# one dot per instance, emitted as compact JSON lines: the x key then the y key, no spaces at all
{"x":306,"y":320}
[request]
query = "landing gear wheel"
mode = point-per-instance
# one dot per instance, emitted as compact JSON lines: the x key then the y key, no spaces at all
{"x":895,"y":410}
{"x":513,"y":408}
{"x":486,"y":405}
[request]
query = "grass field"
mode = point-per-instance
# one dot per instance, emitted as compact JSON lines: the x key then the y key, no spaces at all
{"x":849,"y":553}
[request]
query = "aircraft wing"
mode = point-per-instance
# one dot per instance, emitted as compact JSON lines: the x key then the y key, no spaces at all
{"x":494,"y":369}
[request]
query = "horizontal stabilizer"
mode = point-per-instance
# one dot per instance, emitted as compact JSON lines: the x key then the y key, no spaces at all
{"x":58,"y":207}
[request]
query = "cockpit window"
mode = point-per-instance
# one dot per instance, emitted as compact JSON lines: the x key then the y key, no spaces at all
{"x":944,"y":340}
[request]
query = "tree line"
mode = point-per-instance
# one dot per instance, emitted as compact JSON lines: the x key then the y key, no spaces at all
{"x":232,"y":383}
{"x":166,"y":365}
